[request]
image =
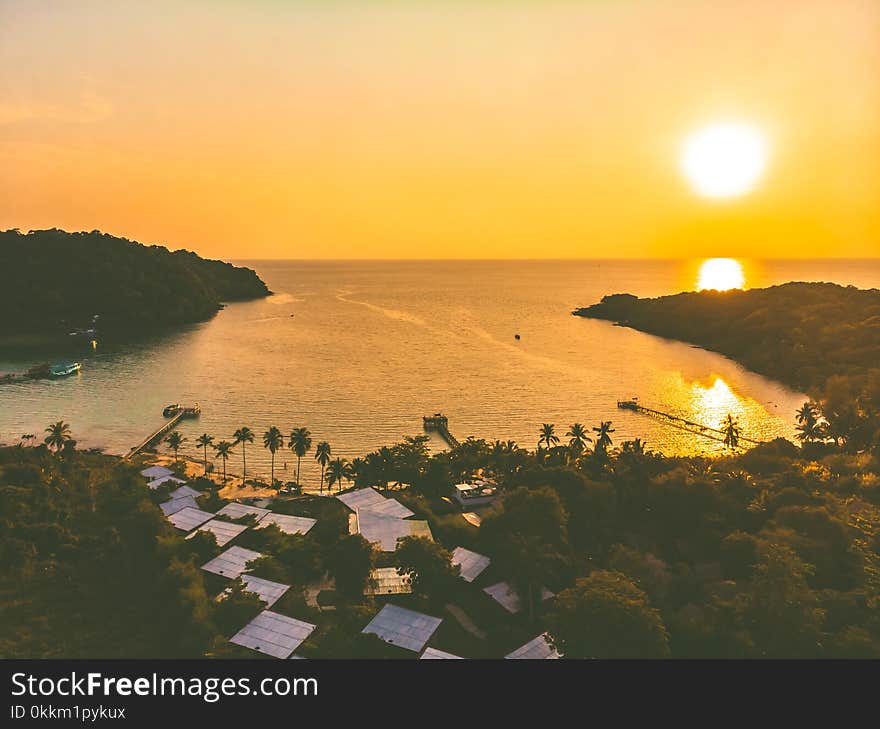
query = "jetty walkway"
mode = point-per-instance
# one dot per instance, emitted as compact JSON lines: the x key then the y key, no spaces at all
{"x":177,"y":414}
{"x":681,"y":423}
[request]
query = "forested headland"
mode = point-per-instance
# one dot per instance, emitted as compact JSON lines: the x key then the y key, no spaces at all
{"x":55,"y":282}
{"x":802,"y":334}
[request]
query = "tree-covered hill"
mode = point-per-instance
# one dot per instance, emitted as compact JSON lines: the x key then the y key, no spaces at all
{"x":802,"y":334}
{"x":55,"y":281}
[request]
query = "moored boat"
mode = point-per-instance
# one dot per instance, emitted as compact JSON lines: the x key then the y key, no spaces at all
{"x":64,"y":369}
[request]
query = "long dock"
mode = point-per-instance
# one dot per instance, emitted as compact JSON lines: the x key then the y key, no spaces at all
{"x":439,"y":424}
{"x":179,"y":414}
{"x":675,"y":421}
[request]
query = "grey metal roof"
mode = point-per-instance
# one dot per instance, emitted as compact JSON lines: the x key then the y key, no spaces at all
{"x":288,"y":524}
{"x":369,"y":499}
{"x":184,"y":491}
{"x":174,"y":505}
{"x":388,"y":581}
{"x":472,"y":564}
{"x":536,"y":649}
{"x":156,"y":483}
{"x":189,"y":518}
{"x":234,"y":510}
{"x":509,"y":598}
{"x":386,"y":530}
{"x":403,"y":628}
{"x":224,"y":531}
{"x":268,"y":591}
{"x":232,"y":563}
{"x":156,"y":472}
{"x":273,"y":634}
{"x":435,"y":654}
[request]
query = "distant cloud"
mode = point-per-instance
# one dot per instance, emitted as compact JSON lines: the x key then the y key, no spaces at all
{"x":88,"y":109}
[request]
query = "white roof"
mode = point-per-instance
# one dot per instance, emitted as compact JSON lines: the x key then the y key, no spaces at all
{"x":288,"y":524}
{"x":386,"y":530}
{"x":268,"y":591}
{"x":369,"y":499}
{"x":403,"y":628}
{"x":434,"y":653}
{"x":189,"y":518}
{"x":509,"y":598}
{"x":184,"y":491}
{"x":273,"y":634}
{"x":156,"y":483}
{"x":232,"y":563}
{"x":175,"y":505}
{"x":234,"y":510}
{"x":536,"y":649}
{"x":388,"y":581}
{"x":472,"y":564}
{"x":156,"y":472}
{"x":224,"y":531}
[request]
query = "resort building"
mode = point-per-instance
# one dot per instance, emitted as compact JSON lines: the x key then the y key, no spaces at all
{"x":404,"y":628}
{"x":274,"y":634}
{"x":388,"y":581}
{"x":472,"y":564}
{"x":385,"y":531}
{"x":469,"y":495}
{"x":506,"y":596}
{"x":538,"y":649}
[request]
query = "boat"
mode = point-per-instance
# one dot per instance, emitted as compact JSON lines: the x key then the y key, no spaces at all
{"x":171,"y":410}
{"x":64,"y":369}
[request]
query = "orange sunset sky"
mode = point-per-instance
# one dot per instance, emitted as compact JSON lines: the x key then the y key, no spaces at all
{"x":439,"y":129}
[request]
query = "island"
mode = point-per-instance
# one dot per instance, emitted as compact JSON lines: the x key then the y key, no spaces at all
{"x":59,"y":283}
{"x":801,"y":334}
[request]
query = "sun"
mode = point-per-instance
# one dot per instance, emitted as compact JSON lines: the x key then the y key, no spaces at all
{"x":724,"y":160}
{"x":720,"y":274}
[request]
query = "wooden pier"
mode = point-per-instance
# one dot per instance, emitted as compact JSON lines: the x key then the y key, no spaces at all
{"x":681,"y":423}
{"x":439,"y":424}
{"x":177,"y":414}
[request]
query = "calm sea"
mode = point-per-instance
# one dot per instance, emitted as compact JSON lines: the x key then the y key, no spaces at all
{"x":359,"y":351}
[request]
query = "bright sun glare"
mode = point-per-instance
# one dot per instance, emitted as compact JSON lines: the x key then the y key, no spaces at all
{"x":724,"y":160}
{"x":720,"y":274}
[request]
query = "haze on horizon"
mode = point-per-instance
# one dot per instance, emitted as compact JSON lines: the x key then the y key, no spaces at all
{"x":439,"y":129}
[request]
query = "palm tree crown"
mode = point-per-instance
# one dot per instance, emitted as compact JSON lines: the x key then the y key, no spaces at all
{"x":579,"y":438}
{"x":732,"y":431}
{"x":548,"y":435}
{"x":300,"y":442}
{"x":224,"y":451}
{"x":322,"y":456}
{"x":243,"y":435}
{"x":604,"y":434}
{"x":58,"y":436}
{"x":273,"y":440}
{"x":174,"y":441}
{"x":203,"y":441}
{"x":338,"y":470}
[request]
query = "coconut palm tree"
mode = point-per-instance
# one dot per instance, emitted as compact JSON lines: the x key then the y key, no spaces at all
{"x":636,"y":446}
{"x":338,"y":470}
{"x":322,"y":456}
{"x":174,"y":441}
{"x":808,"y":429}
{"x":578,"y":439}
{"x":203,"y":441}
{"x":732,"y":431}
{"x":273,"y":440}
{"x":58,"y":436}
{"x":604,"y":432}
{"x":548,"y":436}
{"x":300,"y":442}
{"x":243,"y":435}
{"x":224,"y":451}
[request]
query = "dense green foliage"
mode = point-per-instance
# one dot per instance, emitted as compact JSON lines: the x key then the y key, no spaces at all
{"x":801,"y":334}
{"x":56,"y":281}
{"x":91,"y":568}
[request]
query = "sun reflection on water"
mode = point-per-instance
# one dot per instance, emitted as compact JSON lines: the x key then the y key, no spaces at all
{"x":720,"y":274}
{"x":711,"y":405}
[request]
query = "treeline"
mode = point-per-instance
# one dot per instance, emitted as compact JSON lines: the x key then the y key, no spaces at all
{"x":801,"y":334}
{"x":57,"y":281}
